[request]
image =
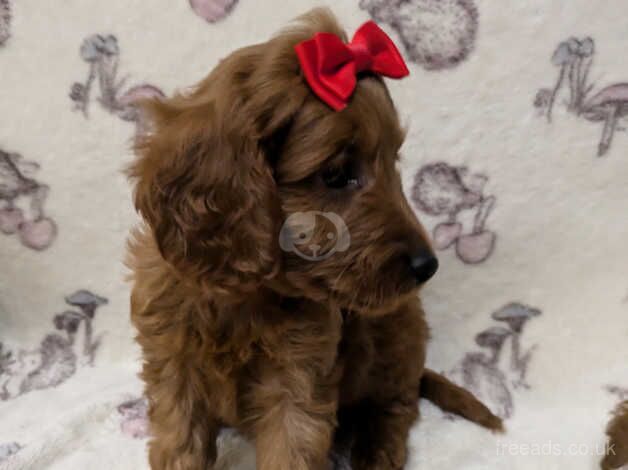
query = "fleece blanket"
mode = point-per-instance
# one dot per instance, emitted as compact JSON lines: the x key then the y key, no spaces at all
{"x":515,"y":161}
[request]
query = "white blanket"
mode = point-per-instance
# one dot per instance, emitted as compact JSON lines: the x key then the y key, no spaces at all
{"x":507,"y":116}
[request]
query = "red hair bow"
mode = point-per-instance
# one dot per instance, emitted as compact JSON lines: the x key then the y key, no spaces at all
{"x":330,"y":66}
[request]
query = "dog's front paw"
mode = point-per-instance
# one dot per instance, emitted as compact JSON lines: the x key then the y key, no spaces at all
{"x":379,"y":459}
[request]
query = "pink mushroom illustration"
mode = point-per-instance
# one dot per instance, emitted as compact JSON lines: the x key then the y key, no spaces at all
{"x":130,"y":111}
{"x":608,"y":105}
{"x":134,"y":422}
{"x":212,"y":10}
{"x":5,"y":21}
{"x":36,"y":231}
{"x":441,"y":189}
{"x":436,"y":34}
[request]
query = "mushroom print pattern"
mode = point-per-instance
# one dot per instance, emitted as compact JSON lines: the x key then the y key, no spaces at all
{"x":437,"y":34}
{"x":212,"y":10}
{"x":133,"y":418}
{"x":59,"y":354}
{"x":485,"y":374}
{"x":7,"y":449}
{"x":574,"y":58}
{"x":22,"y":201}
{"x":440,"y":189}
{"x":102,"y":54}
{"x":5,"y":21}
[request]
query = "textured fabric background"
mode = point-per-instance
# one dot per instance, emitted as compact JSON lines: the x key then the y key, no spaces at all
{"x":529,"y":308}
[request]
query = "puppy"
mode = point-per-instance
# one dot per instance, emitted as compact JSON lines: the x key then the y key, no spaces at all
{"x":616,"y":454}
{"x":293,"y":347}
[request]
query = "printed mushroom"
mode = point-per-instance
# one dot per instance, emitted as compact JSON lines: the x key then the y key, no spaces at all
{"x":7,"y":449}
{"x":443,"y":189}
{"x":515,"y":315}
{"x":58,"y":363}
{"x":129,"y":109}
{"x":477,"y":246}
{"x":6,"y":359}
{"x":563,"y":57}
{"x":440,"y":190}
{"x":134,"y":95}
{"x":69,"y":322}
{"x":94,"y":47}
{"x":88,"y":303}
{"x":5,"y":21}
{"x":493,"y":338}
{"x":481,"y":375}
{"x":101,"y":53}
{"x":608,"y":105}
{"x":586,"y":49}
{"x":212,"y":10}
{"x":134,"y":420}
{"x":38,"y":234}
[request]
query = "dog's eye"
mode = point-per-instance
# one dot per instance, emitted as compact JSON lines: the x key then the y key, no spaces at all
{"x":338,"y":177}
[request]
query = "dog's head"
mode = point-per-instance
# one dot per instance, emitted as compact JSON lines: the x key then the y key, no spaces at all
{"x":250,"y":179}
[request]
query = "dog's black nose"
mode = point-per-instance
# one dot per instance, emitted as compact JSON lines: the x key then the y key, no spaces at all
{"x":424,"y":265}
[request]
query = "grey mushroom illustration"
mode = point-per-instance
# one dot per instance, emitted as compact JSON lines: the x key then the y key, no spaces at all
{"x":584,"y":59}
{"x":102,"y":54}
{"x":437,"y":34}
{"x":562,"y":58}
{"x":6,"y":360}
{"x":574,"y":57}
{"x":493,"y":339}
{"x":57,"y":364}
{"x":481,"y":375}
{"x":516,"y":315}
{"x":608,"y":105}
{"x":87,"y":302}
{"x":5,"y":21}
{"x":7,"y":449}
{"x":69,"y":322}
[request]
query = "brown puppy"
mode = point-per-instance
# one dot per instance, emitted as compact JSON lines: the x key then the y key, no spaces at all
{"x":236,"y":331}
{"x":617,"y":431}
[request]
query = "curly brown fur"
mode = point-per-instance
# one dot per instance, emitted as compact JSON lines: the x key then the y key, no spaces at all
{"x":236,"y":332}
{"x":617,"y":431}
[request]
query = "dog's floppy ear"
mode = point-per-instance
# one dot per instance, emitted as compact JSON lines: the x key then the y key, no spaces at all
{"x":203,"y":182}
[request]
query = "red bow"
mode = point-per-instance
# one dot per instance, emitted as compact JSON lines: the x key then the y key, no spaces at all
{"x":330,"y":66}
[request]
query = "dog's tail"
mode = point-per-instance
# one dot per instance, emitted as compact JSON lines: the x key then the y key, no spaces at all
{"x":454,"y":399}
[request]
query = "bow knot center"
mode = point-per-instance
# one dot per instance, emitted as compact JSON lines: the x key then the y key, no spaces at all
{"x":361,"y":55}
